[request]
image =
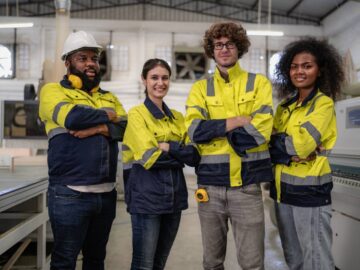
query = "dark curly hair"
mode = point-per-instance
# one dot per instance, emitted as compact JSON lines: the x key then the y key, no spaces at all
{"x":236,"y":33}
{"x":327,"y":58}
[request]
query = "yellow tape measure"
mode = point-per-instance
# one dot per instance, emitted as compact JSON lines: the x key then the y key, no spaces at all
{"x":201,"y":195}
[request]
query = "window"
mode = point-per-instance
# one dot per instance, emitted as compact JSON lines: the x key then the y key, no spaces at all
{"x":164,"y":53}
{"x":273,"y":61}
{"x":6,"y":62}
{"x":120,"y":58}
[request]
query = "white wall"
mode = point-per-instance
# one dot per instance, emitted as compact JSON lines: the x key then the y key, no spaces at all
{"x":343,"y":30}
{"x":142,"y":38}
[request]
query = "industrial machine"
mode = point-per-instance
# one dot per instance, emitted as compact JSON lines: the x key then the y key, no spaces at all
{"x":345,"y":163}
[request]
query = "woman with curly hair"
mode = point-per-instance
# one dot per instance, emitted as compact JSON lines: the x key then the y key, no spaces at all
{"x":310,"y":76}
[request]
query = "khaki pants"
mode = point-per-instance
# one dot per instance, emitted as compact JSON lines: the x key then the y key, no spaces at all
{"x":243,"y":207}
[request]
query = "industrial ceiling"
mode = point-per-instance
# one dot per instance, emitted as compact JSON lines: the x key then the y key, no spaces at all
{"x":308,"y":12}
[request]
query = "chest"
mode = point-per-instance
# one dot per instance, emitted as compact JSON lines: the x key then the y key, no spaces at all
{"x":230,"y":100}
{"x":165,"y":129}
{"x":290,"y":119}
{"x":96,"y":100}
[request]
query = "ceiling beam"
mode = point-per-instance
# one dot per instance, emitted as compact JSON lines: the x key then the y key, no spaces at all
{"x":333,"y":9}
{"x":79,"y":4}
{"x":245,"y":11}
{"x":294,"y":7}
{"x":182,"y":3}
{"x":255,"y":4}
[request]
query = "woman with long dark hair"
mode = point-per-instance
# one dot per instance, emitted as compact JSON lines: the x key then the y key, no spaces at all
{"x":309,"y":77}
{"x":155,"y":150}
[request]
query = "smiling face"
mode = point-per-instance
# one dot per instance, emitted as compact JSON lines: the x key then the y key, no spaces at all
{"x":157,"y":82}
{"x":304,"y":71}
{"x":225,"y":57}
{"x":85,"y":62}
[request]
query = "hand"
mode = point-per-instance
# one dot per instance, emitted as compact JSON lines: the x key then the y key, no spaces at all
{"x":112,"y":116}
{"x":311,"y":157}
{"x":163,"y":146}
{"x":84,"y":133}
{"x":237,"y":121}
{"x":320,"y":148}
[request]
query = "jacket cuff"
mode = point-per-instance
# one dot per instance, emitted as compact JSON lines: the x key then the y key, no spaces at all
{"x":241,"y":140}
{"x":116,"y":131}
{"x":174,"y":146}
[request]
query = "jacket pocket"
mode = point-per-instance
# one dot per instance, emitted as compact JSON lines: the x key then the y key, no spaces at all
{"x":216,"y":108}
{"x":246,"y":103}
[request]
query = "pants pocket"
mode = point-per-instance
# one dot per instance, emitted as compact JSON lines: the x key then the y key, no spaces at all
{"x":64,"y":192}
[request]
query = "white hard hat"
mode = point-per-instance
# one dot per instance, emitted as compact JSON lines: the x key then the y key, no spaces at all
{"x":79,"y":40}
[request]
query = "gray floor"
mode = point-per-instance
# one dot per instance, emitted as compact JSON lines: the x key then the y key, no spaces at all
{"x":187,"y":249}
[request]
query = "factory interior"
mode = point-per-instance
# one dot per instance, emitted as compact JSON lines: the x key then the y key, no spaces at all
{"x":32,"y":34}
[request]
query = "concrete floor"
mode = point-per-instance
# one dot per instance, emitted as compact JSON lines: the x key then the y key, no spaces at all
{"x":186,"y":252}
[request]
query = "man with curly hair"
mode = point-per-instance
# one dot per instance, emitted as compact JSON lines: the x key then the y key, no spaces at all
{"x":310,"y":76}
{"x":229,"y":117}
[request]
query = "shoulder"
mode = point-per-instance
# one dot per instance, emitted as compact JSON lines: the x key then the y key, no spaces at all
{"x":107,"y":93}
{"x":51,"y":86}
{"x":177,"y":115}
{"x":261,"y":77}
{"x":323,"y":100}
{"x":198,"y":89}
{"x":51,"y":90}
{"x":200,"y":84}
{"x":137,"y":110}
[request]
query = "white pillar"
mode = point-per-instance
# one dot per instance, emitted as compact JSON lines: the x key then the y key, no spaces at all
{"x":62,"y":31}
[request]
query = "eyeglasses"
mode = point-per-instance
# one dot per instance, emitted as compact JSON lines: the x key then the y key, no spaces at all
{"x":228,"y":45}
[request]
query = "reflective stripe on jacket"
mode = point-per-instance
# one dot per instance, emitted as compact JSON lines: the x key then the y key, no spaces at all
{"x":304,"y":127}
{"x":154,"y":180}
{"x":74,"y":161}
{"x":239,"y":157}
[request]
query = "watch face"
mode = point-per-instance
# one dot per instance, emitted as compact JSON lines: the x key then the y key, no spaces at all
{"x":5,"y":63}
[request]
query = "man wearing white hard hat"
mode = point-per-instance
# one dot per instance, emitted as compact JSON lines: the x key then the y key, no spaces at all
{"x":84,"y":124}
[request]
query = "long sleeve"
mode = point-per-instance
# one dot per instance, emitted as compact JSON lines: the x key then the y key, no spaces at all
{"x":57,"y":107}
{"x":144,"y":146}
{"x":259,"y":130}
{"x":201,"y":129}
{"x":308,"y":133}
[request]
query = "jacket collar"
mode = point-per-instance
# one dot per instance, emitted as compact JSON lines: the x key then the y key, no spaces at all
{"x":295,"y":97}
{"x":233,"y":72}
{"x":67,"y":84}
{"x":155,"y":111}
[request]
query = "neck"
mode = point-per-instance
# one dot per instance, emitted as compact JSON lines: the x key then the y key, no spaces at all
{"x":158,"y":102}
{"x":224,"y":73}
{"x":303,"y":93}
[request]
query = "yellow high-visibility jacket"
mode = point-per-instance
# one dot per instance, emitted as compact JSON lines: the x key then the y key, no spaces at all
{"x":74,"y":161}
{"x":301,"y":128}
{"x":153,"y":179}
{"x":239,"y":157}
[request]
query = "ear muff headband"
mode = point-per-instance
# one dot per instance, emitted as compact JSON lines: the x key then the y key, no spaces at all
{"x":76,"y":82}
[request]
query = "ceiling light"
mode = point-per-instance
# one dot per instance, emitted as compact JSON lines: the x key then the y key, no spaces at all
{"x":16,"y":25}
{"x":265,"y":33}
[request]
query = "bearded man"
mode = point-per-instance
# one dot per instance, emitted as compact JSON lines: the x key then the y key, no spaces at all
{"x":84,"y":124}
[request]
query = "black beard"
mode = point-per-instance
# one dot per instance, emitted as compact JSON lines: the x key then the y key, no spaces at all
{"x":87,"y":83}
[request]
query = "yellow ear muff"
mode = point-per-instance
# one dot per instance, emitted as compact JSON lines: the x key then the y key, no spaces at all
{"x":76,"y":82}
